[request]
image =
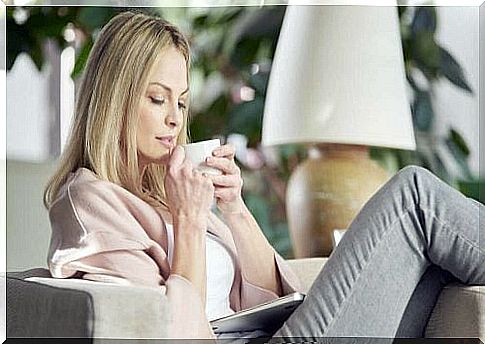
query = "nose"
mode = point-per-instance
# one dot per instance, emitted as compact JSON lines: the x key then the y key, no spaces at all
{"x":174,"y":117}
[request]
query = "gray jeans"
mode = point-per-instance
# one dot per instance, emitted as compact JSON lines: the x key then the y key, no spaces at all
{"x":411,"y":238}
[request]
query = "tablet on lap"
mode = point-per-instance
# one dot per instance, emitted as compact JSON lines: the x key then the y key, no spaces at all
{"x":266,"y":316}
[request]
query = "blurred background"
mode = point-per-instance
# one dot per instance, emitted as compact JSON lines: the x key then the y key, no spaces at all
{"x":232,"y":54}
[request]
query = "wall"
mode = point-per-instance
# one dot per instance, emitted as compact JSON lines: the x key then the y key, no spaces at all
{"x":28,"y":228}
{"x":482,"y":93}
{"x":457,"y":31}
{"x":33,"y":108}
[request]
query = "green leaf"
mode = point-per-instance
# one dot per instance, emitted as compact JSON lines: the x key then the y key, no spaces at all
{"x":265,"y":22}
{"x":460,"y":152}
{"x":424,"y":20}
{"x":37,"y":55}
{"x":422,"y":111}
{"x":385,"y":157}
{"x":460,"y":160}
{"x":47,"y":24}
{"x":459,"y":141}
{"x":92,"y":18}
{"x":425,"y":159}
{"x":200,"y":21}
{"x":212,"y":122}
{"x":292,"y":151}
{"x":426,"y":53}
{"x":82,"y":58}
{"x":226,"y":16}
{"x":260,"y":210}
{"x":412,"y":83}
{"x":440,"y":169}
{"x":256,"y":29}
{"x":18,"y":41}
{"x":259,"y":82}
{"x":401,"y":10}
{"x":452,"y":70}
{"x":281,"y":239}
{"x":473,"y":188}
{"x":246,"y":118}
{"x":245,"y":52}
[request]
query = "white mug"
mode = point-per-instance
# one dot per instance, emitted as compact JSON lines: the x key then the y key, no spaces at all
{"x":197,"y":152}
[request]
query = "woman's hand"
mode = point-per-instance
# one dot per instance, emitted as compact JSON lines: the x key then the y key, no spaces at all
{"x":189,"y":193}
{"x":189,"y":197}
{"x":228,"y":186}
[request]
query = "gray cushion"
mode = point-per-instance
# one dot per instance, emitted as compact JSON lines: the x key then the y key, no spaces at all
{"x":37,"y":310}
{"x":121,"y":311}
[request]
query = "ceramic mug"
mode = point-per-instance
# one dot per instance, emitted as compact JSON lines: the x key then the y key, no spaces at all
{"x":197,"y":152}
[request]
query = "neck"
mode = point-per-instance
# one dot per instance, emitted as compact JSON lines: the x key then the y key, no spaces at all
{"x":141,"y":166}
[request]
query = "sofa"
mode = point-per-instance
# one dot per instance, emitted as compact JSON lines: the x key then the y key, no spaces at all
{"x":41,"y":306}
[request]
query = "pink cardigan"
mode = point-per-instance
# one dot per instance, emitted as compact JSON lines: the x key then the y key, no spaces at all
{"x":107,"y":233}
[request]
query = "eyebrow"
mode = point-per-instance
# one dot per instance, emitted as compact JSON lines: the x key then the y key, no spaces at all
{"x":168,"y":88}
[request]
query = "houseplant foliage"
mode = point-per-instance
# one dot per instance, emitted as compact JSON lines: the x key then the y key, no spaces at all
{"x":426,"y":63}
{"x":232,"y":50}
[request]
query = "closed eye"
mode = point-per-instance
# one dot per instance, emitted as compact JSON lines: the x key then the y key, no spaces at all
{"x":157,"y":101}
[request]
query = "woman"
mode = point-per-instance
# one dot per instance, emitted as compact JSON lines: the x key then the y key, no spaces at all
{"x":126,"y":207}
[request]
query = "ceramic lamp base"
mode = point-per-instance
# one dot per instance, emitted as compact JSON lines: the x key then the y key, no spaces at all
{"x":326,"y":192}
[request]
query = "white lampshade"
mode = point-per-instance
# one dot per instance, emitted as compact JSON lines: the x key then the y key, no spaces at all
{"x":338,"y":77}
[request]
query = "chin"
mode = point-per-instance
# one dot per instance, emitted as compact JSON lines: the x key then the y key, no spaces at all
{"x":155,"y":160}
{"x":163,"y":160}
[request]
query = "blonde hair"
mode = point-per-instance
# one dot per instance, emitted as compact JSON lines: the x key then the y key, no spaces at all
{"x":103,"y":133}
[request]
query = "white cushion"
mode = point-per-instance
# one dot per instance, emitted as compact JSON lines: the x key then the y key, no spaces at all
{"x":459,"y":312}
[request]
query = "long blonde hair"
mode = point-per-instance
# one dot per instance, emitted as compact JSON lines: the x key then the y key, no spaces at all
{"x":103,"y":134}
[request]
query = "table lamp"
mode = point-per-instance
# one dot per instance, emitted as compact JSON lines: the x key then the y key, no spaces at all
{"x":338,"y":84}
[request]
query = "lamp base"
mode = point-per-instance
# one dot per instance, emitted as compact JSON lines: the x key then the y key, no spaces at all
{"x":326,"y":192}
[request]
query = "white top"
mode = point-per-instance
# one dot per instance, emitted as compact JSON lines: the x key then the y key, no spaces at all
{"x":220,"y":275}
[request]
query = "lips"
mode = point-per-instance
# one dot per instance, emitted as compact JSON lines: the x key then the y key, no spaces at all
{"x":167,"y":140}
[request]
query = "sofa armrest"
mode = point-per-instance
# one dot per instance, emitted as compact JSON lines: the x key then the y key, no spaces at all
{"x":35,"y":310}
{"x":118,"y":311}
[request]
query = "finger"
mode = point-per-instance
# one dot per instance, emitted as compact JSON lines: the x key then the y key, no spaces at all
{"x":198,"y":173}
{"x":225,"y":180}
{"x":225,"y":194}
{"x":224,"y":164}
{"x":187,"y":168}
{"x":177,"y":156}
{"x":226,"y":151}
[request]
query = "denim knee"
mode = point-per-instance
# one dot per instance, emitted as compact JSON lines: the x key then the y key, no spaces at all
{"x":419,"y":177}
{"x":412,"y":185}
{"x":411,"y":171}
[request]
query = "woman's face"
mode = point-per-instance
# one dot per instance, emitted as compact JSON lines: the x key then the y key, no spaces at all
{"x":161,"y":110}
